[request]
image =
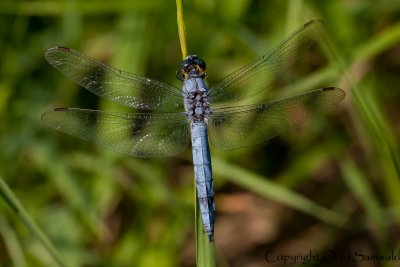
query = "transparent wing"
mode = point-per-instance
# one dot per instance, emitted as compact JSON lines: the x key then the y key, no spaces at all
{"x":236,"y":127}
{"x":115,"y":85}
{"x":261,"y":74}
{"x":137,"y":134}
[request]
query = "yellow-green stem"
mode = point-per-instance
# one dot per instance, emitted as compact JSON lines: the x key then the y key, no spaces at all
{"x":181,"y":27}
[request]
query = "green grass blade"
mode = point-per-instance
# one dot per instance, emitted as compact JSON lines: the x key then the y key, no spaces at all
{"x":358,"y":185}
{"x":379,"y":43}
{"x":43,"y":8}
{"x":12,"y":244}
{"x":271,"y":190}
{"x":382,"y":140}
{"x":376,"y":126}
{"x":13,"y":203}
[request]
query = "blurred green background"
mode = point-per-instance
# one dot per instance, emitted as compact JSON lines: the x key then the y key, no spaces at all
{"x":333,"y":186}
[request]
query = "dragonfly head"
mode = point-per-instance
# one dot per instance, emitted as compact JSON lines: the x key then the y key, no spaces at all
{"x":192,"y":66}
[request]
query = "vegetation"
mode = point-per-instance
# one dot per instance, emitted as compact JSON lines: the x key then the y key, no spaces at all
{"x":331,"y":186}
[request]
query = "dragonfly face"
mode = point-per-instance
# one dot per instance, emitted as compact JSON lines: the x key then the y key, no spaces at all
{"x":164,"y":118}
{"x":192,"y":66}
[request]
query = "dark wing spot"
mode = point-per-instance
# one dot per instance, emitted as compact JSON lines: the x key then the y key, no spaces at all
{"x":62,"y":48}
{"x":328,"y":88}
{"x":61,"y":109}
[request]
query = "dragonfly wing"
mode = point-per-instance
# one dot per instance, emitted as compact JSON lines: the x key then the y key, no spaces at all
{"x":137,"y":134}
{"x":237,"y":127}
{"x":261,"y":74}
{"x":115,"y":85}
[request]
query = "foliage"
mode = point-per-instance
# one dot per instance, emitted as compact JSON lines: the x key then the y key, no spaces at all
{"x":334,"y":185}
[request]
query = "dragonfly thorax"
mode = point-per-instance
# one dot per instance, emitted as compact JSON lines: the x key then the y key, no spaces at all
{"x":195,"y":92}
{"x":196,"y":106}
{"x":195,"y":95}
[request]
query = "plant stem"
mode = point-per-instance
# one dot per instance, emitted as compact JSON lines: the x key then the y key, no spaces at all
{"x":13,"y":203}
{"x":181,"y":27}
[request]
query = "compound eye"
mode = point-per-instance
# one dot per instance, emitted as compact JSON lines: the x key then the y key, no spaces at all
{"x":200,"y":63}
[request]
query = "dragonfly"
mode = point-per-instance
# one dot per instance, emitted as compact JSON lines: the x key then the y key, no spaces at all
{"x":164,"y":118}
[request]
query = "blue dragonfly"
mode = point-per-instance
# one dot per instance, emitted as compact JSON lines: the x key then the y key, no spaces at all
{"x":165,"y":118}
